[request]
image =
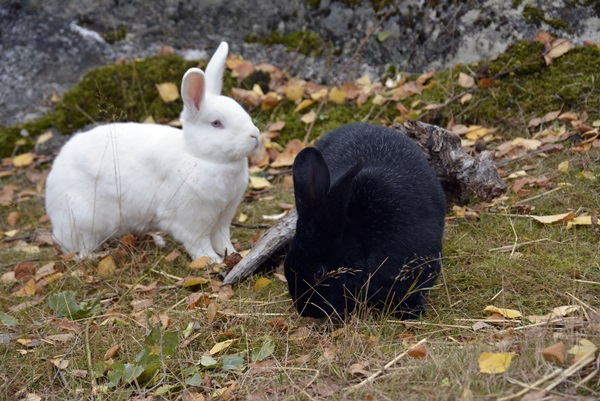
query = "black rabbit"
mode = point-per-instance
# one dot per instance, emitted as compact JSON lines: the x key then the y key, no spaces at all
{"x":370,"y":224}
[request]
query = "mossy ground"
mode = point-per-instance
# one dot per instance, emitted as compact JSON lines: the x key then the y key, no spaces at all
{"x":558,"y":267}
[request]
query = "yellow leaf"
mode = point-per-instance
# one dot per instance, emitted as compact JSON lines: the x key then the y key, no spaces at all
{"x":149,"y":120}
{"x":529,"y":144}
{"x":304,"y":104}
{"x":218,"y":347}
{"x":261,"y":283}
{"x":563,"y":167}
{"x":259,"y":183}
{"x":556,"y":218}
{"x":106,"y":267}
{"x":565,"y":310}
{"x":23,"y":160}
{"x":11,"y":233}
{"x":585,"y":349}
{"x":580,"y":221}
{"x":168,"y":92}
{"x":379,"y":100}
{"x":258,"y":90}
{"x":476,"y":132}
{"x":309,"y":117}
{"x":490,"y":362}
{"x":194,"y":281}
{"x":200,"y":263}
{"x":44,"y":137}
{"x":242,"y":218}
{"x":336,"y":95}
{"x":466,"y":98}
{"x":466,"y":81}
{"x":293,"y":92}
{"x":320,"y":95}
{"x":364,"y":80}
{"x":508,"y":313}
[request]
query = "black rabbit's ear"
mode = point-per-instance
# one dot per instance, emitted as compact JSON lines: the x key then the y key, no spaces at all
{"x":311,"y":179}
{"x":341,"y":190}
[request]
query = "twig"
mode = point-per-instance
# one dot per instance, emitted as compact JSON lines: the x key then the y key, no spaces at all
{"x":529,"y":387}
{"x":538,"y":196}
{"x":507,"y":248}
{"x":387,"y":366}
{"x":88,"y":353}
{"x":251,"y":227}
{"x":571,"y":370}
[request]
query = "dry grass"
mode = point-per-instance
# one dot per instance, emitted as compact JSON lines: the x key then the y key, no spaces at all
{"x":316,"y":360}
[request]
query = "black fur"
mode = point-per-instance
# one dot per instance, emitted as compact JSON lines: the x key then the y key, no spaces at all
{"x":370,"y":224}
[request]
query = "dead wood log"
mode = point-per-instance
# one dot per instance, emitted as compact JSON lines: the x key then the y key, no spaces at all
{"x":459,"y":173}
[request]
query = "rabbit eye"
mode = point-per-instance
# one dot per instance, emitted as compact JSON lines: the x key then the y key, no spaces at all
{"x":217,"y":124}
{"x":320,"y":273}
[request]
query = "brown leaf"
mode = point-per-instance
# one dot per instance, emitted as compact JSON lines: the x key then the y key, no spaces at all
{"x":139,"y":305}
{"x":232,"y":260}
{"x":555,"y":353}
{"x":211,"y":312}
{"x":112,"y":352}
{"x":418,"y":352}
{"x":13,"y":218}
{"x":359,"y":369}
{"x":197,"y":299}
{"x":279,"y":324}
{"x":161,"y":319}
{"x":243,"y":69}
{"x":24,"y":271}
{"x":225,"y":292}
{"x":301,"y":333}
{"x":276,"y":126}
{"x":557,"y":48}
{"x":171,"y":257}
{"x":59,"y":363}
{"x":191,"y":395}
{"x":7,"y":194}
{"x":147,"y":291}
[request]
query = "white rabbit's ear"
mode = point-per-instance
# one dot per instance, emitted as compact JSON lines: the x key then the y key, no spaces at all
{"x":215,"y":69}
{"x":193,"y":88}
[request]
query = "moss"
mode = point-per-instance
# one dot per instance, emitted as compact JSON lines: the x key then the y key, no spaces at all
{"x":533,"y":14}
{"x":308,"y":43}
{"x":115,"y":35}
{"x":533,"y":90}
{"x":516,"y":3}
{"x":116,"y":92}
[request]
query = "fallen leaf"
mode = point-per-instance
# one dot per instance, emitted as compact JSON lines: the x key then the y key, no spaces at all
{"x":465,"y":81}
{"x":242,"y":218}
{"x":337,"y":96}
{"x":492,"y":363}
{"x":60,"y":363}
{"x":26,"y":290}
{"x":200,"y":263}
{"x":563,"y":167}
{"x":465,"y":98}
{"x":106,"y":267}
{"x":555,"y":353}
{"x":24,"y":271}
{"x":557,"y":218}
{"x":112,"y":352}
{"x":359,"y":369}
{"x":221,"y":346}
{"x":261,"y":283}
{"x":168,"y":92}
{"x":197,"y":299}
{"x":192,"y":281}
{"x":309,"y":117}
{"x":60,"y":338}
{"x":585,"y":349}
{"x":508,"y":313}
{"x":301,"y":333}
{"x":293,"y":92}
{"x":276,"y":126}
{"x":259,"y":183}
{"x":580,"y":221}
{"x":476,"y":132}
{"x":211,"y":312}
{"x":418,"y":352}
{"x":13,"y":218}
{"x":23,"y":160}
{"x":225,"y":292}
{"x":557,"y":48}
{"x":304,"y":104}
{"x":138,"y":305}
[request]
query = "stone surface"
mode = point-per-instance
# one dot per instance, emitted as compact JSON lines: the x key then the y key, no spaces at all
{"x":48,"y":45}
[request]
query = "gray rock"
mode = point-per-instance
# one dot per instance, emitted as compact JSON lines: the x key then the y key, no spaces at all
{"x":47,"y":46}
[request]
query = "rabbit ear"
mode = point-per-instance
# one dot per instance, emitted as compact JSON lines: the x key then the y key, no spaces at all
{"x":311,"y":179}
{"x":215,"y":69}
{"x":342,"y":190}
{"x":193,"y":89}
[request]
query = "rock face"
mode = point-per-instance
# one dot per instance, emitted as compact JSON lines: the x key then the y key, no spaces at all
{"x":47,"y":46}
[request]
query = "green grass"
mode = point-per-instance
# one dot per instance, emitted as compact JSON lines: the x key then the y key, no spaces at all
{"x":318,"y":359}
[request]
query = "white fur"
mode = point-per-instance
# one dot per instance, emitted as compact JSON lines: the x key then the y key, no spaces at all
{"x":129,"y":177}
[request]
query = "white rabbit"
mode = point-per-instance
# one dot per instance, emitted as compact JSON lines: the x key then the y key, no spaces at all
{"x":129,"y":177}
